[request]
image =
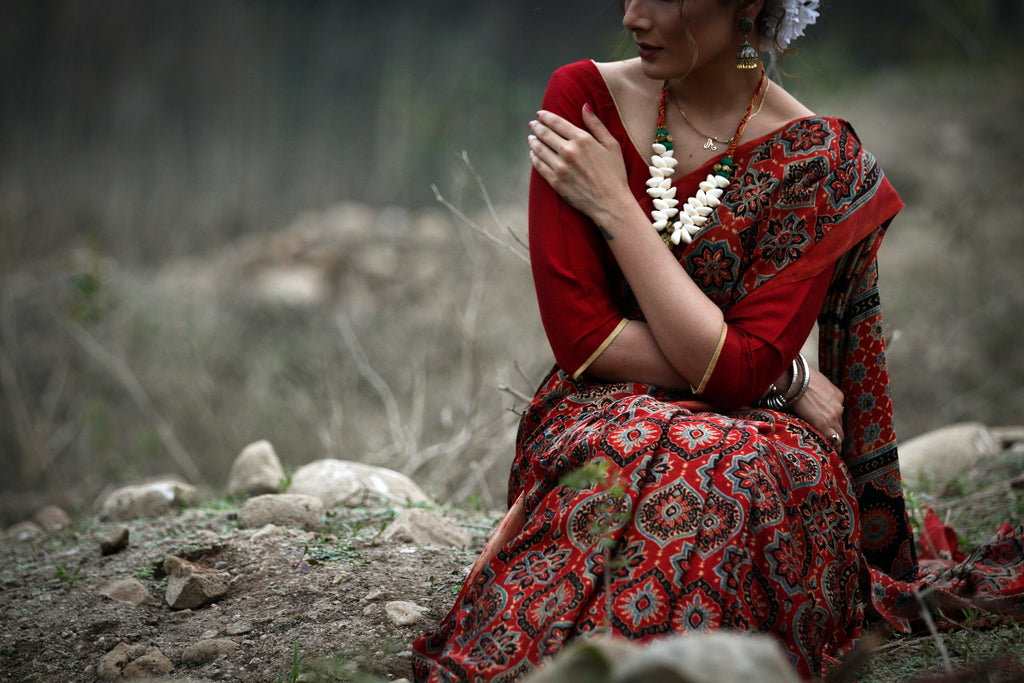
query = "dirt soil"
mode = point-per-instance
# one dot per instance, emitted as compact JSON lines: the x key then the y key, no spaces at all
{"x":301,"y":605}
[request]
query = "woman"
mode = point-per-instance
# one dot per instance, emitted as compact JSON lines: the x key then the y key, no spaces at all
{"x":682,"y":468}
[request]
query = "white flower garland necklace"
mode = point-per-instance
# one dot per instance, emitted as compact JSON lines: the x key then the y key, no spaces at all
{"x":687,"y":222}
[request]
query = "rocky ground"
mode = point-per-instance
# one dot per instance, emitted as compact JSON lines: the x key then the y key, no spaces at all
{"x":340,"y":603}
{"x":288,"y":587}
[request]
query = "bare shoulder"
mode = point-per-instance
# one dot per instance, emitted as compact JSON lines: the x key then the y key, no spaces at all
{"x":625,"y":79}
{"x":780,"y":108}
{"x":635,"y":97}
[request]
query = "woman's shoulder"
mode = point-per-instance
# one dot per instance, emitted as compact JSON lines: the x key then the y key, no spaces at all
{"x":588,"y":73}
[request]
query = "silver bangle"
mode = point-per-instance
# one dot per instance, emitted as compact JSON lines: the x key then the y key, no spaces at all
{"x":806,"y":379}
{"x":779,"y":400}
{"x":793,"y":382}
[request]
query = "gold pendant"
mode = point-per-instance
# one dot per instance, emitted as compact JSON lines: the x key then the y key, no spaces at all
{"x":710,"y":144}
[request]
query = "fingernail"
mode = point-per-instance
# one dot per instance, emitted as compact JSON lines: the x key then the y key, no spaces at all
{"x":587,"y":108}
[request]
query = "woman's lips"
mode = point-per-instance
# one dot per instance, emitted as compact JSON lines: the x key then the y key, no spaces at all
{"x":647,"y":51}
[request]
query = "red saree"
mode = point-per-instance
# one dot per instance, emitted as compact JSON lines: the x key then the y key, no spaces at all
{"x":720,"y":518}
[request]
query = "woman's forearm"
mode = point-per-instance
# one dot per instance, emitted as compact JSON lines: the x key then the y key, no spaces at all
{"x":634,"y":356}
{"x":685,"y":325}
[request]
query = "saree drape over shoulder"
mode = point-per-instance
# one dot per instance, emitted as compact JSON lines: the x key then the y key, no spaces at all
{"x":700,"y":512}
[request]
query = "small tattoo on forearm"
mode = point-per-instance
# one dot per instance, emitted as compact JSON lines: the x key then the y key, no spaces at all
{"x":604,"y":233}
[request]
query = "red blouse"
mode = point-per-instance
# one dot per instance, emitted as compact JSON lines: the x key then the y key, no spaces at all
{"x":574,"y":271}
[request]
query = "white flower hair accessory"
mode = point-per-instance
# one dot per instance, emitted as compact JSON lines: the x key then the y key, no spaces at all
{"x":799,"y":15}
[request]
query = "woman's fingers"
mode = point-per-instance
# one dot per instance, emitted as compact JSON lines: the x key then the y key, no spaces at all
{"x":554,"y":123}
{"x":584,"y":166}
{"x":822,"y":408}
{"x":596,"y":127}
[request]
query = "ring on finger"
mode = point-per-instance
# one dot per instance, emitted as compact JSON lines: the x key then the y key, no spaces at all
{"x":835,"y":438}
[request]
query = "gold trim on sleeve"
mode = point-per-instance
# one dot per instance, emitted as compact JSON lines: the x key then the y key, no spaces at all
{"x":600,"y":349}
{"x":699,"y":389}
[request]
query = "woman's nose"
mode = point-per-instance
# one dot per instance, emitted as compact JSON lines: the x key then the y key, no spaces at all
{"x":634,"y":16}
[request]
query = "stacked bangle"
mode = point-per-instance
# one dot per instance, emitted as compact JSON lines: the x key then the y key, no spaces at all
{"x":776,"y":399}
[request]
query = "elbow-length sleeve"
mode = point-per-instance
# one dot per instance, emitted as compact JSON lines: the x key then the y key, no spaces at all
{"x":569,"y":260}
{"x":764,"y":333}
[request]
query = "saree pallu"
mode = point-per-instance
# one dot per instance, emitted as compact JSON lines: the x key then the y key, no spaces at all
{"x":699,"y":519}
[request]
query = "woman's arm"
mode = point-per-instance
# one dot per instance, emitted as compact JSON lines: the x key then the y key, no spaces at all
{"x":587,"y":170}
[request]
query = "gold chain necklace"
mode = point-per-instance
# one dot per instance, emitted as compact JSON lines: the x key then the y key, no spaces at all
{"x":711,"y":139}
{"x":677,"y":222}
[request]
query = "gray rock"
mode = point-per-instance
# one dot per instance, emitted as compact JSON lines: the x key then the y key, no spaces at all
{"x":24,"y":531}
{"x":1007,"y":438}
{"x":51,"y":518}
{"x":112,"y":664}
{"x":940,"y":455}
{"x":347,"y":483}
{"x":699,"y":658}
{"x":426,"y":527}
{"x":152,"y":663}
{"x":403,"y":612}
{"x":256,"y":470}
{"x":190,"y":585}
{"x":238,"y":628}
{"x":115,"y":540}
{"x":206,"y":651}
{"x":282,"y":509}
{"x":128,"y":590}
{"x":146,"y":500}
{"x":709,"y":658}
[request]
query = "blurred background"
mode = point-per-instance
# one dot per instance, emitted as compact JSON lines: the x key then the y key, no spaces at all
{"x":220,"y":222}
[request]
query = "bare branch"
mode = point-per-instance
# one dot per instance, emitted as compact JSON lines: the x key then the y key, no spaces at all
{"x":400,"y":438}
{"x":515,"y":245}
{"x":119,"y":369}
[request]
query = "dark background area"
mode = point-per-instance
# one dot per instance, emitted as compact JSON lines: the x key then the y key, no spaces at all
{"x":162,"y":127}
{"x":145,"y":145}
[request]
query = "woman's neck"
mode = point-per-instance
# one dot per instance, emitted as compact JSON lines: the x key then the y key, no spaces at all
{"x":715,"y":90}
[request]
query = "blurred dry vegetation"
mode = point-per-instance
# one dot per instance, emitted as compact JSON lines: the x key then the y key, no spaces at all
{"x":217,"y":224}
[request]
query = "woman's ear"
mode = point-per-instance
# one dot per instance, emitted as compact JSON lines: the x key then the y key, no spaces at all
{"x":756,"y":5}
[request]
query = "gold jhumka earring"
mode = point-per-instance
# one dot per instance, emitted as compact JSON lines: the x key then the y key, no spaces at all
{"x":746,"y":56}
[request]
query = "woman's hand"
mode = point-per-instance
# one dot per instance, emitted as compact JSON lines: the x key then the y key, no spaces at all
{"x":822,"y":408}
{"x":584,"y":166}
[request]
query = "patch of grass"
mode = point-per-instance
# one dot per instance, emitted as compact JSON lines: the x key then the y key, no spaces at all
{"x":906,"y":658}
{"x":68,"y":577}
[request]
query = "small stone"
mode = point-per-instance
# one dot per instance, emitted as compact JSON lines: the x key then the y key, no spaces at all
{"x":112,"y":664}
{"x":282,"y":509}
{"x":128,"y":590}
{"x":24,"y":531}
{"x":147,"y":500}
{"x":190,"y":585}
{"x":426,"y":527}
{"x":257,"y":470}
{"x":115,"y":540}
{"x":208,"y":634}
{"x":373,"y":595}
{"x":206,"y":651}
{"x":238,"y":628}
{"x":151,"y":664}
{"x":403,"y":612}
{"x":51,"y":518}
